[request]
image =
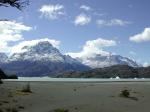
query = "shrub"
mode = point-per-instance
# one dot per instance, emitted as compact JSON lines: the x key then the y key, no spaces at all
{"x":26,"y":88}
{"x":125,"y":93}
{"x":21,"y":107}
{"x":1,"y":81}
{"x":61,"y":110}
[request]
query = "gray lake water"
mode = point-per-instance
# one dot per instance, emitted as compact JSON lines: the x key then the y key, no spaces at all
{"x":117,"y":79}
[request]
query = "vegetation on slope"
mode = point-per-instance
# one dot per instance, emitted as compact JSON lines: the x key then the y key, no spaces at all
{"x":122,"y":71}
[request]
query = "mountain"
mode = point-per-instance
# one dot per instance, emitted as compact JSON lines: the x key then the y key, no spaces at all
{"x":100,"y":61}
{"x":2,"y":75}
{"x":122,"y":71}
{"x":41,"y":51}
{"x":3,"y":57}
{"x":40,"y":59}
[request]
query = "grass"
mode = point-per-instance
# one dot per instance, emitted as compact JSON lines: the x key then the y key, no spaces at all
{"x":61,"y":110}
{"x":11,"y":110}
{"x":1,"y":81}
{"x":14,"y":110}
{"x":126,"y":94}
{"x":26,"y":88}
{"x":21,"y":107}
{"x":5,"y":101}
{"x":74,"y":89}
{"x":20,"y":92}
{"x":1,"y":110}
{"x":10,"y":94}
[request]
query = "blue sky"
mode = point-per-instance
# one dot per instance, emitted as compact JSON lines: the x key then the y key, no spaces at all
{"x":76,"y":22}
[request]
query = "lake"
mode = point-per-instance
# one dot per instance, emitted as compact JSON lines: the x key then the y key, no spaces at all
{"x":78,"y":79}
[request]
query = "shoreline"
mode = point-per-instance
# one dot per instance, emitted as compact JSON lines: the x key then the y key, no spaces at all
{"x":76,"y":80}
{"x":47,"y":96}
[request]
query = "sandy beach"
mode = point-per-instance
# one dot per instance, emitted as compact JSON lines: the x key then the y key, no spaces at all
{"x":75,"y":97}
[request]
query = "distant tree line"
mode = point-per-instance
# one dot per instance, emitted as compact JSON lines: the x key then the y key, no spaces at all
{"x":3,"y":75}
{"x":122,"y":71}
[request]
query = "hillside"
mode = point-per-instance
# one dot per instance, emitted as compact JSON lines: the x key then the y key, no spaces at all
{"x":122,"y":71}
{"x":2,"y":75}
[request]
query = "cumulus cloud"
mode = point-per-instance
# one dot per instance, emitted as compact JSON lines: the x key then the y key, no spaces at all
{"x":82,"y":19}
{"x":51,"y":11}
{"x":141,"y":37}
{"x":93,"y":47}
{"x":85,"y":7}
{"x":112,"y":22}
{"x":11,"y":31}
{"x":18,"y":48}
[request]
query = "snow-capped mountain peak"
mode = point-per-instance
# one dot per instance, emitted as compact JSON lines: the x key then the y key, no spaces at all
{"x":41,"y":50}
{"x":41,"y":59}
{"x":100,"y":61}
{"x":43,"y":47}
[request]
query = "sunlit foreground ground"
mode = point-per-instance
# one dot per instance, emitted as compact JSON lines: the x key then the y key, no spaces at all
{"x":48,"y":96}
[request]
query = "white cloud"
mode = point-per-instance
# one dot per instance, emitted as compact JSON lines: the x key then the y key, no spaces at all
{"x":82,"y":19}
{"x":4,"y":47}
{"x":141,"y":37}
{"x":11,"y":31}
{"x":132,"y":53}
{"x":93,"y":47}
{"x":18,"y":48}
{"x":85,"y":7}
{"x":112,"y":22}
{"x":146,"y":64}
{"x":52,"y":12}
